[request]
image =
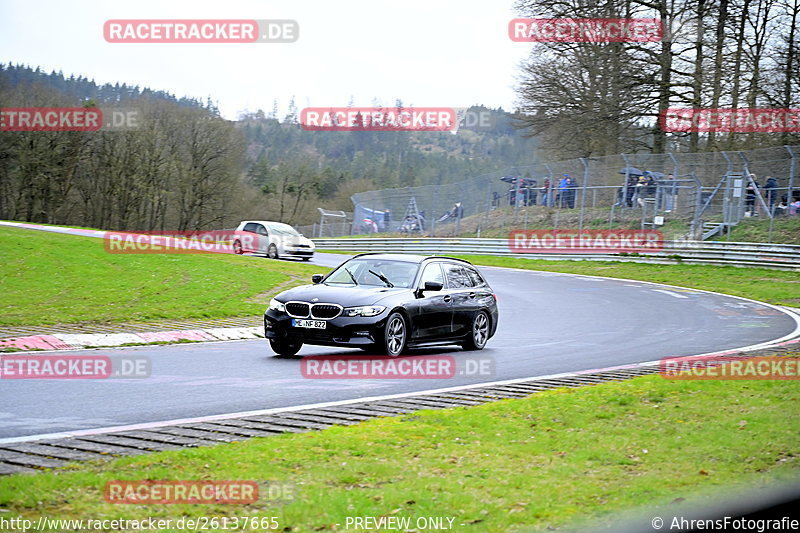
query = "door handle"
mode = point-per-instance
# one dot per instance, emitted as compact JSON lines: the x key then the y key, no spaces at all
{"x":447,"y":298}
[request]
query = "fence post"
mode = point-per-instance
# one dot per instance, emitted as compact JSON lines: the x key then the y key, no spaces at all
{"x":549,"y":202}
{"x":675,"y":165}
{"x":792,"y":169}
{"x":696,"y":227}
{"x":755,"y":185}
{"x":489,"y":201}
{"x":625,"y":185}
{"x":726,"y":203}
{"x":583,"y":192}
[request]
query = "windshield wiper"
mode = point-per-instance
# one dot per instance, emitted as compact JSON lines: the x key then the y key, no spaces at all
{"x":351,"y":275}
{"x":382,"y":278}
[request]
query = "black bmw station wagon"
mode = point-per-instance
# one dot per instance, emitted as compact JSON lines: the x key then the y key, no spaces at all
{"x":388,"y":303}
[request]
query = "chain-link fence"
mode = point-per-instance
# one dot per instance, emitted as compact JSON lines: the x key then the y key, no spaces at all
{"x":331,"y":224}
{"x":696,"y":195}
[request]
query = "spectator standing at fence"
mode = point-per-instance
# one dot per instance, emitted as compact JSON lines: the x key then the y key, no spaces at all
{"x":572,"y":186}
{"x":770,"y":192}
{"x":546,"y":192}
{"x":750,"y":197}
{"x":631,"y":190}
{"x":496,"y":199}
{"x":638,"y":190}
{"x":649,"y":188}
{"x":561,"y":199}
{"x":794,"y":207}
{"x":668,"y":193}
{"x":530,"y":192}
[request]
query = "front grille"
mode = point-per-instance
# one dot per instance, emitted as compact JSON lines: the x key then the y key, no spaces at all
{"x":325,"y":311}
{"x":319,"y":311}
{"x":297,"y":309}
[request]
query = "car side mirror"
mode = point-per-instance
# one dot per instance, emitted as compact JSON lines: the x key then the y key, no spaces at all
{"x":316,"y":278}
{"x":429,"y":286}
{"x":432,"y":286}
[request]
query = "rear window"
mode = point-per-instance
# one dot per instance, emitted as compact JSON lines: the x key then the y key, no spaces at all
{"x":457,"y":278}
{"x":475,"y":277}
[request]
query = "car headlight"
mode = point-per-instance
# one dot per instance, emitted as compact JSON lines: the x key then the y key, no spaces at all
{"x":275,"y":305}
{"x":367,"y":310}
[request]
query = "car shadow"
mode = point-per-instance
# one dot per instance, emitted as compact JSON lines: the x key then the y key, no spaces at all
{"x":346,"y":353}
{"x":412,"y":352}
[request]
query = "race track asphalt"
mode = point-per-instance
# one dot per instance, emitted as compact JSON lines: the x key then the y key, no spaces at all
{"x":549,"y":323}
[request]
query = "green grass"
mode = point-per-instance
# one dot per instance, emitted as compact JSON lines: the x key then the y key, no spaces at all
{"x":48,"y":278}
{"x":785,"y":230}
{"x":543,"y":461}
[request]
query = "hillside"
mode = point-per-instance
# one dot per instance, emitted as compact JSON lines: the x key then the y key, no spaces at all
{"x":188,"y":167}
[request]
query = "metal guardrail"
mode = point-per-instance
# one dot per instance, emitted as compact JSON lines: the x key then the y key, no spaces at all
{"x":741,"y":254}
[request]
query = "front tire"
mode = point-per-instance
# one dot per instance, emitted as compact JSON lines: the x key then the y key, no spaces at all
{"x":479,"y":332}
{"x":395,"y":335}
{"x":272,"y":252}
{"x":237,"y":248}
{"x":285,"y":348}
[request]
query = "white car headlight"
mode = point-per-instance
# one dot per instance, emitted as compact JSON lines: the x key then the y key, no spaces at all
{"x":367,"y":310}
{"x":275,"y":305}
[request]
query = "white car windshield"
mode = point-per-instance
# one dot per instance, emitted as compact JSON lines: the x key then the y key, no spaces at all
{"x":284,"y":229}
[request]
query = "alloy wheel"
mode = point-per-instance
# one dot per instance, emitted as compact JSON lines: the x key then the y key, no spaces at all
{"x":395,"y":335}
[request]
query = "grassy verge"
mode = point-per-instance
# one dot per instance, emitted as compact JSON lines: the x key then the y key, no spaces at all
{"x":541,"y":461}
{"x":785,"y":230}
{"x":49,"y":278}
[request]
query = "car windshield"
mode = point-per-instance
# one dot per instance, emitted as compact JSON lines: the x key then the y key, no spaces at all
{"x":284,"y":229}
{"x":368,"y":271}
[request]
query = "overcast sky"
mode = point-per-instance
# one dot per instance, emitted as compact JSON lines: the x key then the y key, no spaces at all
{"x":450,"y":53}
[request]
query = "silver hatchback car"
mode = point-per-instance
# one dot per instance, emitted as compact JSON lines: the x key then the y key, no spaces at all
{"x":274,"y":239}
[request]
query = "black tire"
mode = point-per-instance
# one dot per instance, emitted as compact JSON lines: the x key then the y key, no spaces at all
{"x":285,"y":348}
{"x":395,"y":335}
{"x":237,"y":248}
{"x":478,"y":333}
{"x":272,"y":252}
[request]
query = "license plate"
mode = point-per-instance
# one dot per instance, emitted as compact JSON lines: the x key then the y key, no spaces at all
{"x":312,"y":324}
